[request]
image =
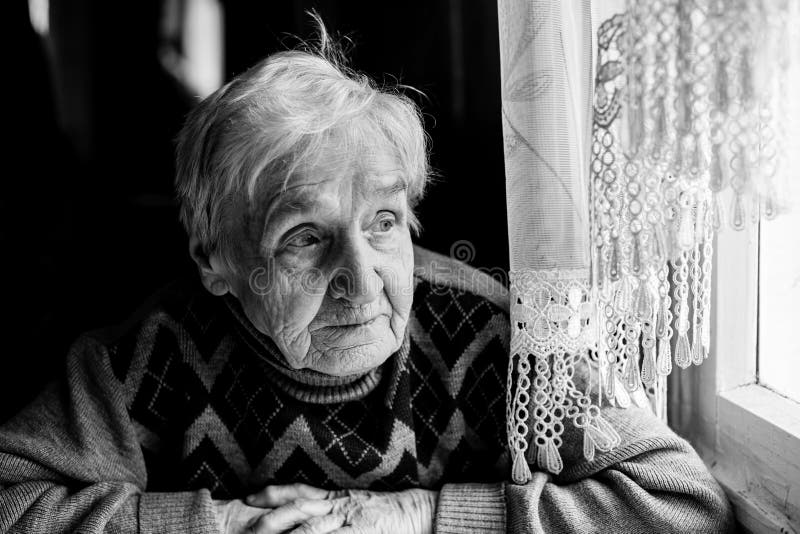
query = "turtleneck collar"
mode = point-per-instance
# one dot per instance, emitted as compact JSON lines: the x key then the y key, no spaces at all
{"x":304,"y":384}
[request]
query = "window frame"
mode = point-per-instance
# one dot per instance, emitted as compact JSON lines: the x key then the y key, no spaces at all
{"x":745,"y":432}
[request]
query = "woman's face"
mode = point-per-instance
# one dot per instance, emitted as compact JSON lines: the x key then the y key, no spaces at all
{"x":328,"y":272}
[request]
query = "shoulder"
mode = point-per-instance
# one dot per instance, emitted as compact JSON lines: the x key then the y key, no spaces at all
{"x":178,"y":321}
{"x":445,"y":273}
{"x":459,"y":313}
{"x":164,"y":358}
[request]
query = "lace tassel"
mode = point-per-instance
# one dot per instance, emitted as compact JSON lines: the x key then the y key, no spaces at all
{"x":520,"y":472}
{"x":548,"y":457}
{"x":602,"y":435}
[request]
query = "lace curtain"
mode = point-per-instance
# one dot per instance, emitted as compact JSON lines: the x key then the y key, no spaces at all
{"x":628,"y":143}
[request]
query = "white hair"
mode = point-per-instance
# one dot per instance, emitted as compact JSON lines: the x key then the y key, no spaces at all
{"x":279,"y":115}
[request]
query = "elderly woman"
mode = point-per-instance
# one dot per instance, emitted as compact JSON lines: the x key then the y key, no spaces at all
{"x":324,"y":374}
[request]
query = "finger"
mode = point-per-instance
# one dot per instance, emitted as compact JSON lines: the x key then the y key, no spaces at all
{"x":346,"y":506}
{"x":291,"y":515}
{"x":274,"y":496}
{"x":321,"y":525}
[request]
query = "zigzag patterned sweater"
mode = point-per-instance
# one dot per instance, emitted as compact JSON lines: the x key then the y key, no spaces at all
{"x":186,"y":403}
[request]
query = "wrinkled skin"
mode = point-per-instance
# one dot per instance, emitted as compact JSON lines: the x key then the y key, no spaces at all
{"x":325,"y":267}
{"x":304,"y":509}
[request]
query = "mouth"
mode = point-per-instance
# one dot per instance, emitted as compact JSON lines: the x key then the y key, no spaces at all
{"x":354,"y":326}
{"x":349,"y":328}
{"x":342,"y":317}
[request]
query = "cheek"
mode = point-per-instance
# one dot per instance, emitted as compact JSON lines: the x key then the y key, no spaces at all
{"x":278,"y":301}
{"x":397,"y":274}
{"x":298,"y":299}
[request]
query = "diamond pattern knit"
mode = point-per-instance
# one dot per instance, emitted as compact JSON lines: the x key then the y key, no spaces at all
{"x":185,"y":368}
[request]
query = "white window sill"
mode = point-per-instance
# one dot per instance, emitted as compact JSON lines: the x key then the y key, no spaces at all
{"x":757,"y":457}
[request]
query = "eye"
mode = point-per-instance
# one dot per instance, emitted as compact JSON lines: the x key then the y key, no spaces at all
{"x":302,"y":240}
{"x":385,"y":223}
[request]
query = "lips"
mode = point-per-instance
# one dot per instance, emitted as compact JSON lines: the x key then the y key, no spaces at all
{"x":345,"y":317}
{"x":353,"y":325}
{"x":365,"y":322}
{"x":345,"y":336}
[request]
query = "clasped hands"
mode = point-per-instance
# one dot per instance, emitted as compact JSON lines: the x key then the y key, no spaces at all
{"x":303,"y":509}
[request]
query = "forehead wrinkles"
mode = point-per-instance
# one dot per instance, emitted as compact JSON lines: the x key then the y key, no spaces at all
{"x":325,"y":196}
{"x":339,"y":176}
{"x":292,"y":199}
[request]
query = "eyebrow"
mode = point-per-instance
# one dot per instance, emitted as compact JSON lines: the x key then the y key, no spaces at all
{"x":398,"y":185}
{"x":291,"y":203}
{"x":296,"y":199}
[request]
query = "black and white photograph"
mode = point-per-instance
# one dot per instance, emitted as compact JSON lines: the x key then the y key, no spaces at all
{"x":422,"y":267}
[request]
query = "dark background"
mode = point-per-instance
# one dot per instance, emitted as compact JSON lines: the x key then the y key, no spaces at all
{"x":90,"y":225}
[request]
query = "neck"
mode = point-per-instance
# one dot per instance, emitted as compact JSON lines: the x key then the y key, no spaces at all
{"x":304,"y":384}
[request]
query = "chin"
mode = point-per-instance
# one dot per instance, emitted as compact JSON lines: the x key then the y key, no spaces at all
{"x":359,"y":359}
{"x":349,"y":350}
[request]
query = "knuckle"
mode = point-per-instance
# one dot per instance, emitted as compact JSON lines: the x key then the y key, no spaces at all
{"x":261,"y":525}
{"x":311,"y":526}
{"x":316,"y":522}
{"x":272,"y":522}
{"x":341,"y":505}
{"x":349,"y":508}
{"x":269,"y":492}
{"x":291,"y":507}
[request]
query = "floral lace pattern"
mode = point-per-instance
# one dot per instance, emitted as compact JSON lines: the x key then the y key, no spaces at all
{"x":552,"y":329}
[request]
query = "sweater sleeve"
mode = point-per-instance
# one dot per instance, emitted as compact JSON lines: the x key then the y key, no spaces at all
{"x":71,"y":462}
{"x":652,"y":482}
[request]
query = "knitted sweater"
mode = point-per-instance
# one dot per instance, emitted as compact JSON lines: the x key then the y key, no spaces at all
{"x":187,"y":402}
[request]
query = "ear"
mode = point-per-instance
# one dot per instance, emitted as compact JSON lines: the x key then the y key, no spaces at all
{"x":213,"y":274}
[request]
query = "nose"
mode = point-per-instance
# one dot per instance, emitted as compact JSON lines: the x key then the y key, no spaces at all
{"x":355,"y":278}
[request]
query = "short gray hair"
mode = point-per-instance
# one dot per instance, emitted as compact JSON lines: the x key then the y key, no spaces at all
{"x":278,"y":115}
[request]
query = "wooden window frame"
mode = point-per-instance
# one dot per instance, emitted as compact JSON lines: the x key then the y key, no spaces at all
{"x":748,"y":435}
